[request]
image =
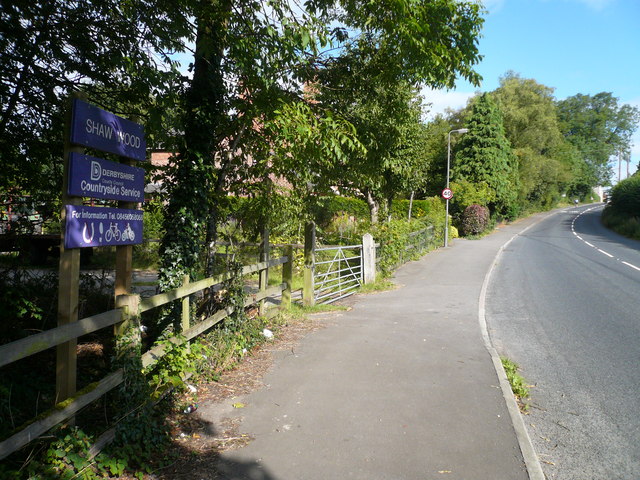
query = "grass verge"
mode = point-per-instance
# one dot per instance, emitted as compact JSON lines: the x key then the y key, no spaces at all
{"x":380,"y":285}
{"x":518,"y":384}
{"x":626,"y":225}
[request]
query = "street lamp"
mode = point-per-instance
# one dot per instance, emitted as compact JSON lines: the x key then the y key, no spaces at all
{"x":446,"y":218}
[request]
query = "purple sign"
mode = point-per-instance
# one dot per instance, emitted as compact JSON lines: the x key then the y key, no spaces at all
{"x":97,"y":178}
{"x":100,"y":226}
{"x":96,"y":128}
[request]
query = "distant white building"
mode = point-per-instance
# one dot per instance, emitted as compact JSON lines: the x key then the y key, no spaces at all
{"x":599,"y":191}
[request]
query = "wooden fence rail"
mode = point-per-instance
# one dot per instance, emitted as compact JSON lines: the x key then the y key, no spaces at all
{"x":33,"y":344}
{"x":25,"y":347}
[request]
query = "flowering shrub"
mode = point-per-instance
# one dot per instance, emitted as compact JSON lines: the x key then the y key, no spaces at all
{"x":475,"y":219}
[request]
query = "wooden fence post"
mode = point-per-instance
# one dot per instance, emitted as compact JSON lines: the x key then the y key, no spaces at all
{"x":128,"y":337}
{"x":69,"y":277}
{"x":287,"y":277}
{"x":264,"y":257}
{"x":124,"y":253}
{"x":368,"y":259}
{"x":186,"y":313}
{"x":308,"y":298}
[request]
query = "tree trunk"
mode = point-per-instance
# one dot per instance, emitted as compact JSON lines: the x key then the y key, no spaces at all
{"x":388,"y":207}
{"x":410,"y":205}
{"x":374,"y":207}
{"x":214,"y":211}
{"x":27,"y":62}
{"x":195,"y":174}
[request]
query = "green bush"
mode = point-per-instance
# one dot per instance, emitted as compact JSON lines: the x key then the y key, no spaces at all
{"x":623,"y":212}
{"x":343,"y":229}
{"x":475,"y":219}
{"x":467,"y":193}
{"x":420,"y":208}
{"x":328,"y":207}
{"x":625,"y":196}
{"x":624,"y":224}
{"x":395,"y":243}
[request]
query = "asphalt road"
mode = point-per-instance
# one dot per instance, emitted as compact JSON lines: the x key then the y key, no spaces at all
{"x":564,"y":303}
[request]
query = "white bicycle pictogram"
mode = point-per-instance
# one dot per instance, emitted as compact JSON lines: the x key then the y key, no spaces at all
{"x":113,"y":233}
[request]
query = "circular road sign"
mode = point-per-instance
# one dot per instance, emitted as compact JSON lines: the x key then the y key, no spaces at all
{"x":447,"y":194}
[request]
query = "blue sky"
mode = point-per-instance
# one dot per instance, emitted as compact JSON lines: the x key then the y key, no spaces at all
{"x":574,"y":46}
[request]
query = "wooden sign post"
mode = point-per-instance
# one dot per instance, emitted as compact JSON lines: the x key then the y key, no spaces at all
{"x":68,"y":278}
{"x":124,"y":254}
{"x":82,"y":226}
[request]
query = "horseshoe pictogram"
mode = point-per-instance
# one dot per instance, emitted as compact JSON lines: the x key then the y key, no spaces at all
{"x":84,"y":233}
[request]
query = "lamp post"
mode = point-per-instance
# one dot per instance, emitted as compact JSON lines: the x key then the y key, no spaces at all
{"x":446,"y":218}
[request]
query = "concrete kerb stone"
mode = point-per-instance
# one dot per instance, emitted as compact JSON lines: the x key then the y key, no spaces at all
{"x":531,"y":460}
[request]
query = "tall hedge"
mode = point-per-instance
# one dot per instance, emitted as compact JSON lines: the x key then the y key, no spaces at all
{"x":420,"y":208}
{"x":625,"y":197}
{"x":330,"y":206}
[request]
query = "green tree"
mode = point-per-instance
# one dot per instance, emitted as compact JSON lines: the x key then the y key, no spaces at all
{"x":531,"y":126}
{"x":598,"y":127}
{"x":387,"y":120}
{"x":263,"y":51}
{"x":435,"y":150}
{"x":193,"y":170}
{"x":483,"y":155}
{"x":249,"y":60}
{"x":529,"y":113}
{"x":410,"y":172}
{"x":397,"y":46}
{"x":425,"y":41}
{"x":53,"y":47}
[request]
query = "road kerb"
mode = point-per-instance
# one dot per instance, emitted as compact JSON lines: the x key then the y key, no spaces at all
{"x":531,"y":460}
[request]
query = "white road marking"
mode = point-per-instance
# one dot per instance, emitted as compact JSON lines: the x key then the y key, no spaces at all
{"x":573,"y":230}
{"x":632,"y":266}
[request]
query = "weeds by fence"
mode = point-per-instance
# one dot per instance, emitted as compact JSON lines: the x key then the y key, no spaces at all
{"x":130,"y":307}
{"x":335,"y":271}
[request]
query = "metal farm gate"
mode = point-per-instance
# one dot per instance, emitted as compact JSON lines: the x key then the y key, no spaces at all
{"x":337,"y":272}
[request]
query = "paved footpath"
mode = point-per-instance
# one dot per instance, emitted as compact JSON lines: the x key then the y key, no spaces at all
{"x":400,"y":387}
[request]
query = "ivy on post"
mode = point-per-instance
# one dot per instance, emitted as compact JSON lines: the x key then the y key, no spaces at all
{"x":133,"y":394}
{"x":308,"y":298}
{"x":128,"y":349}
{"x":287,"y":277}
{"x":264,"y":257}
{"x":128,"y":331}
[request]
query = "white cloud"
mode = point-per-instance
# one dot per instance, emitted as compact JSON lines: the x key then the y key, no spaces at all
{"x":597,"y":5}
{"x":493,"y":5}
{"x":442,"y":100}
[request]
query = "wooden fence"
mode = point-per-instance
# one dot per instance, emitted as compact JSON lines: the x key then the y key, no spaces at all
{"x":419,"y":242}
{"x":129,"y":308}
